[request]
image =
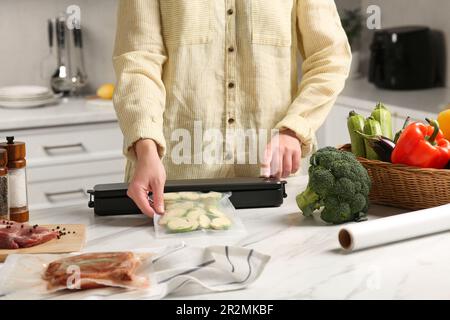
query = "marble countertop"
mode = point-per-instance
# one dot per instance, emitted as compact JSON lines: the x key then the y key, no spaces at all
{"x":68,"y":111}
{"x":306,"y":261}
{"x":359,"y":92}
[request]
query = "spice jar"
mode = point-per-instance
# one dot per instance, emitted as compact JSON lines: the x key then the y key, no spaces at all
{"x":18,"y":201}
{"x":4,"y":205}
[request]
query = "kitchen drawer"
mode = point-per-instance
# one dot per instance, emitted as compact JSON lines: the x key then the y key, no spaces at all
{"x":81,"y":169}
{"x":70,"y":143}
{"x":67,"y":184}
{"x":59,"y":193}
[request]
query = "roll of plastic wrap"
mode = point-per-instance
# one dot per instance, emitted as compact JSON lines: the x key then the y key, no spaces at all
{"x":396,"y":228}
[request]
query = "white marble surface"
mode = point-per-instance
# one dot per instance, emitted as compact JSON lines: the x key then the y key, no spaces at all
{"x":66,"y":112}
{"x":306,"y":262}
{"x":359,"y":93}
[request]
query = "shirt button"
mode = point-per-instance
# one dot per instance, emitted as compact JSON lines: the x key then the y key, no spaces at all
{"x":230,"y":12}
{"x":231,"y":49}
{"x":230,"y":121}
{"x":228,"y":156}
{"x":231,"y":85}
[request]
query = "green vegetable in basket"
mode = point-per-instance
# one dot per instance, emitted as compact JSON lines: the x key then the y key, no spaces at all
{"x":372,"y":128}
{"x":355,"y":123}
{"x":384,"y":117}
{"x":338,"y":185}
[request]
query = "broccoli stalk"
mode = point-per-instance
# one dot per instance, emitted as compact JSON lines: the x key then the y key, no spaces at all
{"x":308,"y":201}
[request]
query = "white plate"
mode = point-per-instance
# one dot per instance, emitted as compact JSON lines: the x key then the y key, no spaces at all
{"x":27,"y":104}
{"x":19,"y":92}
{"x":25,"y":99}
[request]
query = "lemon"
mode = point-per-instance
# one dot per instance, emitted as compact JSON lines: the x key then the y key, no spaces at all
{"x":106,"y":91}
{"x":444,"y":123}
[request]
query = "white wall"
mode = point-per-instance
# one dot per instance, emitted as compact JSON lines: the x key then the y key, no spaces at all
{"x":23,"y":36}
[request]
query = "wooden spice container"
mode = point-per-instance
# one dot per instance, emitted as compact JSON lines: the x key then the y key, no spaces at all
{"x":18,"y":198}
{"x":4,"y":203}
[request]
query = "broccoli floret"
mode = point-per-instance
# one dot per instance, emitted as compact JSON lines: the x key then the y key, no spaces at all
{"x":338,"y":184}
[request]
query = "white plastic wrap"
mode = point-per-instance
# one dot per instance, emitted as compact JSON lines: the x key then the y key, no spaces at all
{"x":396,"y":228}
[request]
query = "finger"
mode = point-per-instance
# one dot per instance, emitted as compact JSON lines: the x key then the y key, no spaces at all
{"x":296,"y":162}
{"x":265,"y":165}
{"x":287,"y":165}
{"x":140,"y":197}
{"x":158,"y":196}
{"x":276,"y":166}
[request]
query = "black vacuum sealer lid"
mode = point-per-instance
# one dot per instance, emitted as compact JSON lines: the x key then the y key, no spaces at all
{"x":114,"y":190}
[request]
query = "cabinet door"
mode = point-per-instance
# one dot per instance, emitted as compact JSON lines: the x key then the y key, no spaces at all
{"x":334,"y":131}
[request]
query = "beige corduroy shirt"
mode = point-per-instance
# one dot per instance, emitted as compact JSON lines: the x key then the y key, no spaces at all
{"x":187,"y":66}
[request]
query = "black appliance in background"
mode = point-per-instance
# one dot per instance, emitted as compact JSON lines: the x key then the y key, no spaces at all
{"x":407,"y":58}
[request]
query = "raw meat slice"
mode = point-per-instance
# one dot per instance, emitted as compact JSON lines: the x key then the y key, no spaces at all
{"x":15,"y":235}
{"x":96,"y":270}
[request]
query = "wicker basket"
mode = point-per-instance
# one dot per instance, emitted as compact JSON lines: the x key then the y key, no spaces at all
{"x":406,"y":187}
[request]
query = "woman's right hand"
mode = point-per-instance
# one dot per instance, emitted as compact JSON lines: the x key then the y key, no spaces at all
{"x":149,"y":176}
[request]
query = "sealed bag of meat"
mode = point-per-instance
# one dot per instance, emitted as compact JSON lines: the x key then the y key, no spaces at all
{"x":96,"y":270}
{"x":14,"y":235}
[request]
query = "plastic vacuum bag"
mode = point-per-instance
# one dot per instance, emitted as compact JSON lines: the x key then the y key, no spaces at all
{"x":25,"y":275}
{"x":197,"y":214}
{"x":97,"y":270}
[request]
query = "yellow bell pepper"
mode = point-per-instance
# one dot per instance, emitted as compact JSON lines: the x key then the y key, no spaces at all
{"x":444,"y":123}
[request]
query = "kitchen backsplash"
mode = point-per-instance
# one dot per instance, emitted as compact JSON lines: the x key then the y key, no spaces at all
{"x":24,"y":37}
{"x":23,"y":33}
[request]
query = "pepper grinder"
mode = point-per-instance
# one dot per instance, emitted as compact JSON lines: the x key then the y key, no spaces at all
{"x":18,"y":199}
{"x":4,"y":204}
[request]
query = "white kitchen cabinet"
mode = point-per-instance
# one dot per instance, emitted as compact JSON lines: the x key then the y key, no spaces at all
{"x":68,"y":157}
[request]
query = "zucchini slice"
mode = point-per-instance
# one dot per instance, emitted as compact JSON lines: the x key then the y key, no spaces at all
{"x":220,"y":223}
{"x":190,"y":196}
{"x":172,"y":196}
{"x":178,"y":225}
{"x":195,"y":213}
{"x":204,"y":221}
{"x":163,"y":220}
{"x":211,"y":195}
{"x":186,"y":205}
{"x":176,"y":212}
{"x":215,"y":212}
{"x":195,"y":224}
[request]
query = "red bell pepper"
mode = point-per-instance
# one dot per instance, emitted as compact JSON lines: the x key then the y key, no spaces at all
{"x":422,"y":146}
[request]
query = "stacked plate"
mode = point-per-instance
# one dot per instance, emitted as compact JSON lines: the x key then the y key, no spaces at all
{"x":25,"y":96}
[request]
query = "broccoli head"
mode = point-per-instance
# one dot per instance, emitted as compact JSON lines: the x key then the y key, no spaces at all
{"x":338,"y":184}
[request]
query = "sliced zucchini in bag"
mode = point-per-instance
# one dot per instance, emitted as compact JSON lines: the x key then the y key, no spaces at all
{"x":195,"y":213}
{"x":211,"y":195}
{"x":176,"y":212}
{"x":190,"y":196}
{"x":172,"y":196}
{"x":215,"y":212}
{"x":204,"y":221}
{"x":221,"y":223}
{"x":178,"y":225}
{"x":186,"y":205}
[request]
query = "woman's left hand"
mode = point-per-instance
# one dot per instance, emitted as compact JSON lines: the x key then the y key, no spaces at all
{"x":282,"y":155}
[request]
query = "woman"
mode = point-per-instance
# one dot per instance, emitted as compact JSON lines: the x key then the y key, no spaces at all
{"x":227,"y":66}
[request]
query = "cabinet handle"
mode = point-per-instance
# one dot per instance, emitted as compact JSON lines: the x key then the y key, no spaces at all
{"x":48,"y":149}
{"x":51,"y":195}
